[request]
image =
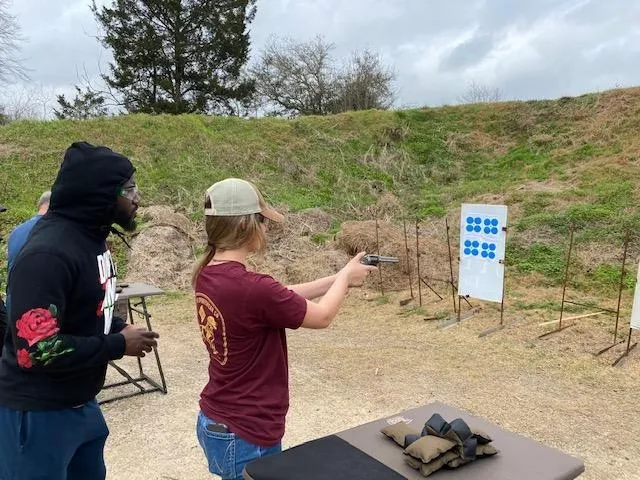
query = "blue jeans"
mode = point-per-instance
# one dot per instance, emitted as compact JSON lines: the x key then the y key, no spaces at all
{"x":53,"y":444}
{"x":227,"y":453}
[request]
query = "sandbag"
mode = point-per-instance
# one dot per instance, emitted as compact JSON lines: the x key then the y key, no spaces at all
{"x":399,"y":432}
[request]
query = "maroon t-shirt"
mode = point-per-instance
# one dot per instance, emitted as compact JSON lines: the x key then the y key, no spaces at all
{"x":242,"y":317}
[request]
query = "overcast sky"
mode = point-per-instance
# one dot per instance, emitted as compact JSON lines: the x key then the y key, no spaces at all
{"x":528,"y":49}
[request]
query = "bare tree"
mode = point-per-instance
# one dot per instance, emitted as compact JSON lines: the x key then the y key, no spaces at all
{"x":296,"y":78}
{"x":31,"y":102}
{"x":365,"y":83}
{"x":477,"y":93}
{"x":10,"y":65}
{"x":98,"y":88}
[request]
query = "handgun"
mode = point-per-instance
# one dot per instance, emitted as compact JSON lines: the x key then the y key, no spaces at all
{"x":378,"y":259}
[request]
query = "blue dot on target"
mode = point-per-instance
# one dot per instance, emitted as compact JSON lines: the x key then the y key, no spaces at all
{"x":485,"y":246}
{"x":487,"y":221}
{"x":469,"y":219}
{"x":475,"y":244}
{"x":467,"y":251}
{"x":467,"y":243}
{"x":478,"y":228}
{"x":494,"y":222}
{"x":469,"y":228}
{"x":478,"y":220}
{"x":484,"y":254}
{"x":492,"y":246}
{"x":474,"y":252}
{"x":487,"y":230}
{"x":494,"y":230}
{"x":492,"y":255}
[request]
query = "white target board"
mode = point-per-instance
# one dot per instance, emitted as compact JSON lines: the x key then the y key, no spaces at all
{"x":635,"y":311}
{"x":482,"y":246}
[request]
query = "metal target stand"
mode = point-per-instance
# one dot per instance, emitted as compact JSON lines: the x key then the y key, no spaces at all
{"x":627,"y":241}
{"x":627,"y":351}
{"x":425,"y":280}
{"x":599,"y":309}
{"x":501,"y":325}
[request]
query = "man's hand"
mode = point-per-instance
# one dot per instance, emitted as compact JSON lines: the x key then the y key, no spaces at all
{"x":138,"y":340}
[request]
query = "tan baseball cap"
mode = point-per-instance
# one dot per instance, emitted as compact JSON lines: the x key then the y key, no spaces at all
{"x":233,"y":197}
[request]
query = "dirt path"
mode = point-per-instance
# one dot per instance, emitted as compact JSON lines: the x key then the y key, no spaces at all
{"x":373,"y":362}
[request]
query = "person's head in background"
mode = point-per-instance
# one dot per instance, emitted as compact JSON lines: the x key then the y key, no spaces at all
{"x":43,"y":202}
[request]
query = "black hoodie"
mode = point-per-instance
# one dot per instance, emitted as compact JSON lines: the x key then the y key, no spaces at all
{"x":62,"y":290}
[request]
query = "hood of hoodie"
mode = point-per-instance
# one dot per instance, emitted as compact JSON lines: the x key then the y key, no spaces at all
{"x":88,"y":185}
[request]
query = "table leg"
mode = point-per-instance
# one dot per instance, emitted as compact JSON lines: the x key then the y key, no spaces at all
{"x":155,"y":349}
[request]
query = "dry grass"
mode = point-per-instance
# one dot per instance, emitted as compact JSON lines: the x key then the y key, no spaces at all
{"x":161,"y":256}
{"x":458,"y":143}
{"x":357,"y":236}
{"x":292,"y":256}
{"x":562,"y":397}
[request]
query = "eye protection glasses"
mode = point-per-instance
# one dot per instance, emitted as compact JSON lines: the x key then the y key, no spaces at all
{"x":129,"y":190}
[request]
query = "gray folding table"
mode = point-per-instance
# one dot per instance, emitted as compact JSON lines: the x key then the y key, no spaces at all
{"x":132,"y":300}
{"x":520,"y":458}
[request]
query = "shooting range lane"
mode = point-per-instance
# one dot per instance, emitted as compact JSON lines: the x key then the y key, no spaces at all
{"x":501,"y":378}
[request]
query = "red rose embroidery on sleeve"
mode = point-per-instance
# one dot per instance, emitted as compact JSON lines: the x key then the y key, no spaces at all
{"x":24,"y":358}
{"x":39,"y":328}
{"x":36,"y":325}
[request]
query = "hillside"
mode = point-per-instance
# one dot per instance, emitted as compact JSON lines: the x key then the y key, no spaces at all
{"x":552,"y":162}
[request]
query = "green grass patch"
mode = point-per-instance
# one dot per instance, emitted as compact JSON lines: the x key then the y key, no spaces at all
{"x":549,"y":260}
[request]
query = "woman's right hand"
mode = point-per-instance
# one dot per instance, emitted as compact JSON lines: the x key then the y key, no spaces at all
{"x":356,"y":271}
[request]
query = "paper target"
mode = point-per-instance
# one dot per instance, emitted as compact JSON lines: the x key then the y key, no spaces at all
{"x":482,"y":248}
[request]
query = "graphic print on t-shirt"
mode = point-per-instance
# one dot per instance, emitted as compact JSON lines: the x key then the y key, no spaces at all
{"x":212,"y":328}
{"x":107,"y":274}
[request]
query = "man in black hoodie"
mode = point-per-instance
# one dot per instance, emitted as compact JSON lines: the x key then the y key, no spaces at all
{"x":62,"y":290}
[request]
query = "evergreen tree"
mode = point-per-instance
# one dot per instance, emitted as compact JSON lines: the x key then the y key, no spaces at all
{"x":85,"y":105}
{"x":178,"y":56}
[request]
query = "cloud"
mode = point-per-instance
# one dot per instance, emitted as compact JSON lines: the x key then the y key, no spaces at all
{"x":570,"y":49}
{"x":536,"y":49}
{"x":469,"y":52}
{"x":60,"y":41}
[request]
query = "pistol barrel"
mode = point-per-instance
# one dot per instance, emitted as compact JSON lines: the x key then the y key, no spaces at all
{"x":377,"y":259}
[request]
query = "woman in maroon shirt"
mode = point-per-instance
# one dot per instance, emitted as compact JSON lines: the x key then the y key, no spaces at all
{"x":243,"y":316}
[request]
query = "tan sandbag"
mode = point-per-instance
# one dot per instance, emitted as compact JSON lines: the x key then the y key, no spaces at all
{"x":486,"y":450}
{"x":481,"y":451}
{"x":429,"y":447}
{"x":427,"y":469}
{"x":413,"y":462}
{"x":482,"y":436}
{"x":398,"y":432}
